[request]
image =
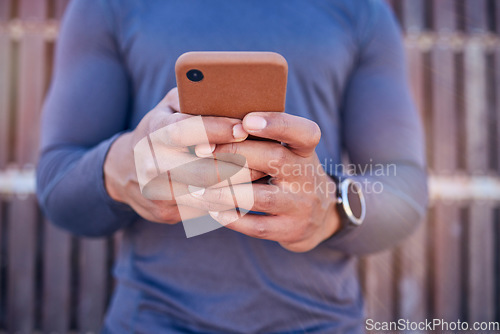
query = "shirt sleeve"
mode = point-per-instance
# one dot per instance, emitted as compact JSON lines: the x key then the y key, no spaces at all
{"x":381,"y":129}
{"x":85,"y":110}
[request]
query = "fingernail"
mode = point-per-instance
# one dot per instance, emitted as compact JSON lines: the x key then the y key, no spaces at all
{"x":214,"y":214}
{"x":255,"y":123}
{"x":239,"y":133}
{"x":204,"y":150}
{"x":196,"y":191}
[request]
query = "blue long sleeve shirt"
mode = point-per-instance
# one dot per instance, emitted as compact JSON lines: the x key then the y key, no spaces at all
{"x":115,"y":61}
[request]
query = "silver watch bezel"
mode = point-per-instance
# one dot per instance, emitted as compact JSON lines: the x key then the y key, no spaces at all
{"x":344,"y":199}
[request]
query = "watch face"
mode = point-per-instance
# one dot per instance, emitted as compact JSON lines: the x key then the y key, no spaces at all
{"x":353,"y":201}
{"x":353,"y":195}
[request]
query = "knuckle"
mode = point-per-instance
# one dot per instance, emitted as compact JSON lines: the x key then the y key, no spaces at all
{"x":255,"y":174}
{"x":261,"y":230}
{"x":151,"y":168}
{"x":172,"y":94}
{"x":309,"y":204}
{"x":209,"y":206}
{"x":315,"y":133}
{"x":162,"y":213}
{"x":230,"y":148}
{"x":284,"y":124}
{"x":303,"y":229}
{"x":281,"y":156}
{"x":219,"y":195}
{"x":155,"y":120}
{"x":149,"y":126}
{"x":172,"y":133}
{"x":268,"y":200}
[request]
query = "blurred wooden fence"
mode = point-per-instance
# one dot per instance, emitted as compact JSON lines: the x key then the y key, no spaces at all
{"x":450,"y":269}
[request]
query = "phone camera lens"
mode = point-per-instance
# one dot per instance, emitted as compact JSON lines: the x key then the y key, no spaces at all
{"x":194,"y":75}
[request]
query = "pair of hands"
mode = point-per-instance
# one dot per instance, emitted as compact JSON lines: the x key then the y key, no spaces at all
{"x":298,"y":198}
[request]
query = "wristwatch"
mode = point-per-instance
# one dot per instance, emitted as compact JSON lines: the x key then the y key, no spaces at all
{"x":351,"y":203}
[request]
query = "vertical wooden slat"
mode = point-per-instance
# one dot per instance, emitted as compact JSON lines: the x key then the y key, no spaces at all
{"x":380,"y":286}
{"x":446,"y":270}
{"x":5,"y":6}
{"x":415,"y":58}
{"x":93,"y":284}
{"x":476,"y":108}
{"x":117,"y":244}
{"x":4,"y":117}
{"x":480,"y":229}
{"x":481,"y":280}
{"x":56,"y":306}
{"x":496,"y":90}
{"x":60,"y":7}
{"x":412,"y":285}
{"x":21,"y":265}
{"x":5,"y":93}
{"x":413,"y":15}
{"x":412,"y":289}
{"x":23,"y":213}
{"x":446,"y":229}
{"x":444,"y":124}
{"x":444,"y":16}
{"x":497,"y":16}
{"x":476,"y":20}
{"x":117,"y":241}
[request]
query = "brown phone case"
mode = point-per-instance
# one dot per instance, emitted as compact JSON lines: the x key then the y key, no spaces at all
{"x":231,"y":84}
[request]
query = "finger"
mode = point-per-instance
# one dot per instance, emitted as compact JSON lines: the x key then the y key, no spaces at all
{"x":153,"y":158}
{"x":212,"y":173}
{"x":189,"y":212}
{"x":206,"y":151}
{"x":179,"y":130}
{"x":163,"y":211}
{"x":194,"y":199}
{"x":268,"y":157}
{"x":171,"y":100}
{"x":255,"y":226}
{"x":155,"y":211}
{"x":265,"y":198}
{"x":174,"y":183}
{"x":300,"y":134}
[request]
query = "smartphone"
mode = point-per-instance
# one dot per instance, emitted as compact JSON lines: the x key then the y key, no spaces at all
{"x":231,"y":84}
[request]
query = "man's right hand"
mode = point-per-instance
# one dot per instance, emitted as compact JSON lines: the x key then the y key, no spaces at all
{"x":120,"y":174}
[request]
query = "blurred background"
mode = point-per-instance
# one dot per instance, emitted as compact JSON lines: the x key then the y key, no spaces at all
{"x":52,"y":282}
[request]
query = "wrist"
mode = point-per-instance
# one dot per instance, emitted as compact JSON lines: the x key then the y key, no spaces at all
{"x":350,"y":205}
{"x":332,"y":217}
{"x":115,"y":162}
